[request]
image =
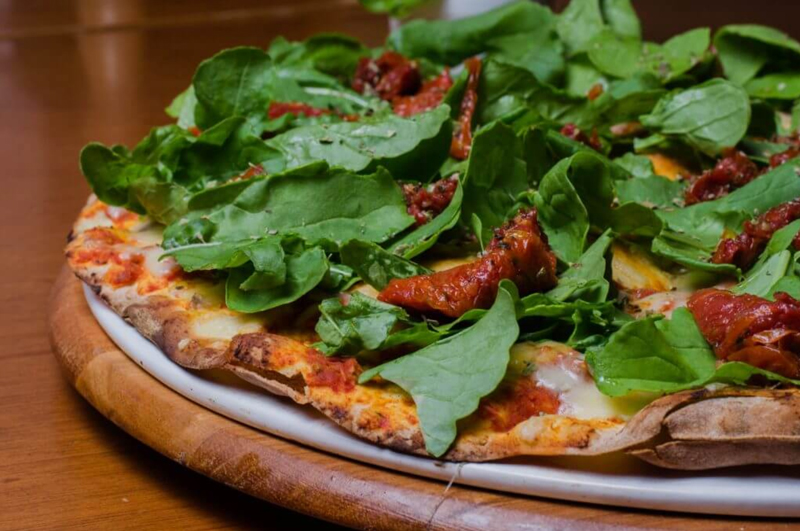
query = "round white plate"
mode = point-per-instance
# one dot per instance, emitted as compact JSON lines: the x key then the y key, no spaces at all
{"x":612,"y":480}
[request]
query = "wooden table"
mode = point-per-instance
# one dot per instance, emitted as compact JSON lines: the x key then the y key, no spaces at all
{"x":72,"y":72}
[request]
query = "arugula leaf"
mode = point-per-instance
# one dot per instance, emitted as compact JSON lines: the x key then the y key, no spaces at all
{"x":613,"y":54}
{"x":350,"y":324}
{"x":692,"y":233}
{"x":664,"y":356}
{"x":585,"y":279}
{"x":314,"y":202}
{"x":745,"y":49}
{"x":636,"y":165}
{"x":264,"y":254}
{"x":505,"y":90}
{"x":304,"y":271}
{"x":410,"y":148}
{"x":448,"y":378}
{"x":538,"y":50}
{"x":621,"y":17}
{"x":310,"y":62}
{"x":182,"y":108}
{"x":377,"y":266}
{"x":709,"y":117}
{"x":580,"y":192}
{"x":395,"y":8}
{"x":579,"y":23}
{"x":562,"y":214}
{"x":772,"y":265}
{"x":425,"y":236}
{"x":451,"y":41}
{"x":494,"y":177}
{"x":653,"y":190}
{"x":780,"y":86}
{"x":676,"y":56}
{"x":653,"y":354}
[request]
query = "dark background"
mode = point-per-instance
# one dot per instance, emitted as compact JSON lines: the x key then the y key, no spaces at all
{"x":73,"y":71}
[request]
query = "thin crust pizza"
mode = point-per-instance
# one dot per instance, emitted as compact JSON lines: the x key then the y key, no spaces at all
{"x":449,"y":250}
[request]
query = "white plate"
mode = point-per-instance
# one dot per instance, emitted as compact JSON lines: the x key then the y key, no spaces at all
{"x":613,"y":480}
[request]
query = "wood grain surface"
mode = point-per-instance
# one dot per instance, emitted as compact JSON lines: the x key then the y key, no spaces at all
{"x":73,"y":71}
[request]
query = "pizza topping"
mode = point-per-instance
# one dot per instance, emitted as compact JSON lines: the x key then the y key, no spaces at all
{"x":339,"y":374}
{"x":427,"y":202}
{"x":731,"y":172}
{"x":750,"y":329}
{"x":462,"y":132}
{"x":784,"y":156}
{"x":389,"y":76}
{"x":744,"y":249}
{"x":518,"y":252}
{"x":517,"y":401}
{"x":429,"y":96}
{"x":572,"y":132}
{"x":124,"y":269}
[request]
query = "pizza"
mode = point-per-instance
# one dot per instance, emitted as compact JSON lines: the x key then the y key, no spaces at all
{"x":493,"y":237}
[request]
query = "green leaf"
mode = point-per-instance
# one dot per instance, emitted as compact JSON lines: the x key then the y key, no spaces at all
{"x":579,"y":23}
{"x":182,"y":108}
{"x":738,"y":373}
{"x":425,"y":236}
{"x":235,"y":82}
{"x":709,"y":117}
{"x":772,"y":265}
{"x":377,"y":266}
{"x":540,"y":52}
{"x":621,"y":17}
{"x":636,"y":165}
{"x":585,"y":279}
{"x":303,"y":272}
{"x":678,"y":55}
{"x":691,"y":234}
{"x":562,"y":214}
{"x":653,"y":191}
{"x":495,"y":176}
{"x":655,"y":355}
{"x":410,"y":148}
{"x":615,"y":55}
{"x":310,"y":62}
{"x":448,"y":378}
{"x":350,"y":324}
{"x":580,"y":192}
{"x":781,"y":86}
{"x":452,"y":41}
{"x":745,"y":49}
{"x":314,"y":202}
{"x":395,"y":8}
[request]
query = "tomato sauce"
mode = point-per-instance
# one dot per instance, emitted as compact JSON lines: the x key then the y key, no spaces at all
{"x":339,"y":374}
{"x":518,"y":252}
{"x":517,"y":402}
{"x":124,"y":271}
{"x":750,"y":329}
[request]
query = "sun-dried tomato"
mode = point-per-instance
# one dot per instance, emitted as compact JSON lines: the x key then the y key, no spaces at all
{"x":462,"y":133}
{"x":429,"y":96}
{"x":572,"y":131}
{"x":339,"y":374}
{"x":750,"y":329}
{"x":742,"y":250}
{"x":518,"y":252}
{"x":784,"y":156}
{"x":389,"y":76}
{"x":731,"y":172}
{"x":595,"y":92}
{"x":427,"y":202}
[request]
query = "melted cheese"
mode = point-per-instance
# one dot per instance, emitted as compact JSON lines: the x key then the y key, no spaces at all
{"x":218,"y":325}
{"x":668,"y":167}
{"x":562,"y":370}
{"x":632,"y":268}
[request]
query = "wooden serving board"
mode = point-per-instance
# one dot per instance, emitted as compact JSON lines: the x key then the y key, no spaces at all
{"x":294,"y":476}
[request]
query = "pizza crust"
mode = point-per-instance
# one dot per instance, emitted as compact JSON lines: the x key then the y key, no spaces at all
{"x":690,"y":430}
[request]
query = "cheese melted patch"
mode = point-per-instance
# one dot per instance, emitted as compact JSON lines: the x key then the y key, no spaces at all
{"x":218,"y":325}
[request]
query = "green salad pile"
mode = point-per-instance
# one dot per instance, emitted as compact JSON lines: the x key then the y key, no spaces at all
{"x":302,"y":206}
